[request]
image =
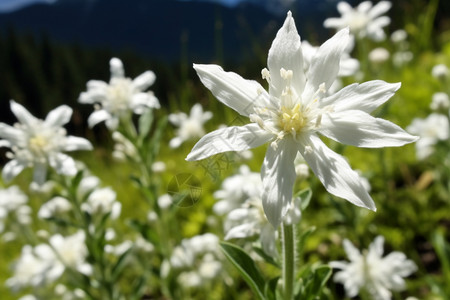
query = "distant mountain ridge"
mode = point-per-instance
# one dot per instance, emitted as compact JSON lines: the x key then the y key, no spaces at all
{"x":158,"y":28}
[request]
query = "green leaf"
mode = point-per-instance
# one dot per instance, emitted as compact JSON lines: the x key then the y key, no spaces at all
{"x":120,"y":265}
{"x":314,"y":284}
{"x":246,"y":267}
{"x":269,"y":259}
{"x":303,"y":237}
{"x":305,"y":196}
{"x":145,"y":123}
{"x":270,"y":289}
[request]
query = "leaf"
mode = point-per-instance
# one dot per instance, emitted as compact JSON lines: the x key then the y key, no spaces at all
{"x":303,"y":237}
{"x":305,"y":196}
{"x":270,"y":289}
{"x":314,"y":284}
{"x":145,"y":123}
{"x":120,"y":265}
{"x":269,"y":259}
{"x":246,"y":267}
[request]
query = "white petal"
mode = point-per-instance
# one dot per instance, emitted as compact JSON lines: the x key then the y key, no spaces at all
{"x":278,"y":177}
{"x":59,"y":116}
{"x":140,"y":102}
{"x":116,"y":68}
{"x":366,"y":96}
{"x":143,"y":81}
{"x":268,"y":240}
{"x":286,"y":53}
{"x":12,"y":169}
{"x":334,"y":23}
{"x":364,"y":7}
{"x":335,"y":173}
{"x":11,"y":133}
{"x":22,"y":114}
{"x":97,"y":117}
{"x":241,"y":231}
{"x":177,"y":118}
{"x":344,"y":8}
{"x":360,"y":129}
{"x":232,"y":90}
{"x":376,"y":247}
{"x":352,"y":252}
{"x":325,"y":64}
{"x":73,"y":143}
{"x":235,"y":138}
{"x":379,"y":9}
{"x":63,"y":164}
{"x":176,"y":142}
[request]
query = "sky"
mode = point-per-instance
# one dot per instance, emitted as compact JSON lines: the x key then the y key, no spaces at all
{"x":7,"y":6}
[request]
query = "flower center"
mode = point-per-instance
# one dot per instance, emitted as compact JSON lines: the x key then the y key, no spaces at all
{"x":292,"y":120}
{"x":119,"y":95}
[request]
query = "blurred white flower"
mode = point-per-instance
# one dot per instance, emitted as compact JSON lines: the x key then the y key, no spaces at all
{"x":102,"y":201}
{"x":364,"y":21}
{"x":54,"y":207}
{"x":379,"y":55}
{"x":165,"y":201}
{"x":158,"y":166}
{"x":120,"y":97}
{"x":28,"y":297}
{"x":434,"y":128}
{"x":236,"y":189}
{"x":399,"y":36}
{"x":402,"y":57}
{"x":440,"y":71}
{"x":440,"y":102}
{"x":292,"y":114}
{"x":370,"y":271}
{"x":119,"y":249}
{"x":13,"y":202}
{"x":123,"y":148}
{"x":39,"y":143}
{"x":189,"y":127}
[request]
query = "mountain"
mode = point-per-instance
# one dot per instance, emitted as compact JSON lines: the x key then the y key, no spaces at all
{"x":164,"y":29}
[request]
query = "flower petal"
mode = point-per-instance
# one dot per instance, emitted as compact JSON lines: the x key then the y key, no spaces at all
{"x":232,"y":90}
{"x":22,"y":114}
{"x":278,"y":177}
{"x":10,"y":133}
{"x":235,"y":138}
{"x":357,"y":128}
{"x":366,"y":96}
{"x":73,"y":143}
{"x":379,"y":9}
{"x":63,"y":164}
{"x":335,"y":173}
{"x":116,"y":68}
{"x":59,"y":116}
{"x":286,"y":52}
{"x":143,"y":81}
{"x":352,"y":252}
{"x":325,"y":64}
{"x":12,"y":169}
{"x":97,"y":117}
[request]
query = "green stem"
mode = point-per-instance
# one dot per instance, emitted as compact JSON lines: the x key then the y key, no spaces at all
{"x":287,"y":232}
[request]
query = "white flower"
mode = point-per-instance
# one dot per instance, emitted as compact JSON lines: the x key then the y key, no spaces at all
{"x":364,"y":21}
{"x":292,"y":114}
{"x":402,"y":57}
{"x":440,"y":71}
{"x":236,"y":189}
{"x":379,"y":55}
{"x":165,"y":201}
{"x":399,"y":36}
{"x":440,"y":102}
{"x":102,"y":201}
{"x":13,"y":200}
{"x":376,"y":274}
{"x":434,"y":128}
{"x":189,"y":127}
{"x":121,"y":97}
{"x":54,"y":207}
{"x":38,"y":143}
{"x":123,"y":148}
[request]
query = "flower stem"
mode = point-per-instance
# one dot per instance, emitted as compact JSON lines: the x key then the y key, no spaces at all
{"x":287,"y":232}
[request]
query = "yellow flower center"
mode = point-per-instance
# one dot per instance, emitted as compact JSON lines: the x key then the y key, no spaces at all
{"x":37,"y":144}
{"x":292,"y":120}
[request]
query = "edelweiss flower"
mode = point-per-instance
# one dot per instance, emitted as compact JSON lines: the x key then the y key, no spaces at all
{"x":434,"y":128}
{"x":120,"y":97}
{"x":13,"y":200}
{"x":189,"y":126}
{"x":364,"y":21}
{"x":38,"y":143}
{"x":372,"y":272}
{"x":292,"y":114}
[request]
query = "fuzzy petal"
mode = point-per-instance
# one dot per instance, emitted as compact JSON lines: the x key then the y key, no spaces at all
{"x":97,"y":117}
{"x":360,"y":129}
{"x":379,"y":9}
{"x":235,"y":138}
{"x":22,"y":114}
{"x":63,"y":164}
{"x":352,"y":252}
{"x":143,"y":81}
{"x":366,"y":96}
{"x":232,"y":90}
{"x":335,"y":173}
{"x":278,"y":177}
{"x":286,"y":52}
{"x":325,"y":64}
{"x":12,"y":169}
{"x":59,"y":116}
{"x":10,"y":133}
{"x":116,"y":68}
{"x":74,"y":143}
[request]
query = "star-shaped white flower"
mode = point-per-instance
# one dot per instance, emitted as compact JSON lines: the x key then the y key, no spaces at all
{"x":378,"y":275}
{"x":364,"y":21}
{"x":121,"y":97}
{"x":39,"y":143}
{"x":294,"y":112}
